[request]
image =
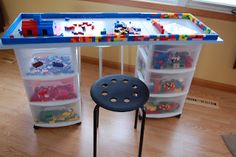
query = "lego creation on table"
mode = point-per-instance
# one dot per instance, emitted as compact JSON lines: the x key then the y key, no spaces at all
{"x":105,"y":27}
{"x":47,"y":50}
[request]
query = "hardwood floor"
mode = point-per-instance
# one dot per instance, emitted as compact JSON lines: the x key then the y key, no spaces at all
{"x":195,"y":134}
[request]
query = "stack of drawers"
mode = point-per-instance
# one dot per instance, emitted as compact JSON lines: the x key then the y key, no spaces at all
{"x":168,"y":71}
{"x":51,"y":82}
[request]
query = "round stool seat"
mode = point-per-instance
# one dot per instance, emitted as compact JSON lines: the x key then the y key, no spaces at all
{"x":119,"y":93}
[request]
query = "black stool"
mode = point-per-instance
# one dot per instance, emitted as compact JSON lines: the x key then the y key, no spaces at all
{"x":120,"y":93}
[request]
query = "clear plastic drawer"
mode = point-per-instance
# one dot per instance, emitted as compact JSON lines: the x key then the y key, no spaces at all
{"x":146,"y":48}
{"x":46,"y":61}
{"x":51,"y":90}
{"x":141,"y":63}
{"x":174,"y":57}
{"x":55,"y":114}
{"x":163,"y":105}
{"x":169,"y":83}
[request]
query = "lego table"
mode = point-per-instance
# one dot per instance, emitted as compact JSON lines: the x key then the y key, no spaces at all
{"x":47,"y":47}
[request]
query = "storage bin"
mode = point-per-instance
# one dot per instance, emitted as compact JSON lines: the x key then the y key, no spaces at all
{"x":141,"y":65}
{"x":174,"y":57}
{"x":51,"y":90}
{"x":146,"y":48}
{"x":46,"y":61}
{"x":170,"y":83}
{"x":162,"y":105}
{"x":55,"y":114}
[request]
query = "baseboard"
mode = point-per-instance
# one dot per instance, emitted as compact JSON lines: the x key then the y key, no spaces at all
{"x":214,"y":85}
{"x":131,"y":69}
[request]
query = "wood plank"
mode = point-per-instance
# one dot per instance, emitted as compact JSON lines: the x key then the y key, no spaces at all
{"x":196,"y":133}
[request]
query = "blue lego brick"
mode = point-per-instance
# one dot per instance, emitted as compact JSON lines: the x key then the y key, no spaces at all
{"x":67,"y":19}
{"x":103,"y":32}
{"x":93,"y":39}
{"x":137,"y":29}
{"x":211,"y":37}
{"x":37,"y":17}
{"x":117,"y":25}
{"x":176,"y":36}
{"x":152,"y":36}
{"x":45,"y":25}
{"x":131,"y":38}
{"x":94,"y":15}
{"x":48,"y":29}
{"x":157,"y":16}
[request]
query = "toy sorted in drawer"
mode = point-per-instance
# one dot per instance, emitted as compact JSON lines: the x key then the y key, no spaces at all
{"x":161,"y":107}
{"x":47,"y":65}
{"x":52,"y":93}
{"x":158,"y":86}
{"x":57,"y":115}
{"x":170,"y":60}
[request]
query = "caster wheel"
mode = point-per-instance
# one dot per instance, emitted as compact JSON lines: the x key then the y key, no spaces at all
{"x":140,"y":117}
{"x":79,"y":123}
{"x":178,"y":116}
{"x":36,"y":127}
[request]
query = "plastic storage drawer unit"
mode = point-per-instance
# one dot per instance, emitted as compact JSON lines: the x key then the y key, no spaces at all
{"x":46,"y":61}
{"x":174,"y":57}
{"x":163,"y":105}
{"x":168,"y":71}
{"x":170,"y":83}
{"x":55,"y":114}
{"x":51,"y":90}
{"x":141,"y":63}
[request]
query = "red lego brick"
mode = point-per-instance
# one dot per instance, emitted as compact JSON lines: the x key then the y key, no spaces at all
{"x":29,"y":28}
{"x":158,"y":26}
{"x":85,"y":23}
{"x":11,"y":36}
{"x":69,"y":28}
{"x":74,"y":39}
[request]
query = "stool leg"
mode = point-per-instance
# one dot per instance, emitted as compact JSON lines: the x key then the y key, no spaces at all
{"x":95,"y":124}
{"x":136,"y":119}
{"x":142,"y":132}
